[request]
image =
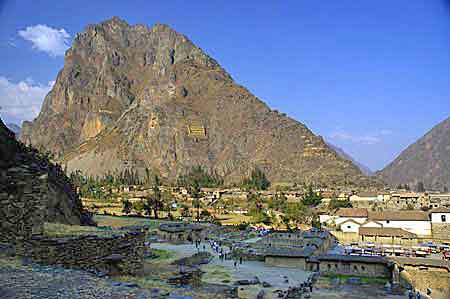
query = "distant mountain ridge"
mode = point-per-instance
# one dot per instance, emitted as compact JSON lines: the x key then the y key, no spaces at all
{"x":14,"y":128}
{"x":427,"y":160}
{"x":364,"y":169}
{"x":148,"y":98}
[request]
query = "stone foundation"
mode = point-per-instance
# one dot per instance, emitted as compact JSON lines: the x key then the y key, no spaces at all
{"x":117,"y":254}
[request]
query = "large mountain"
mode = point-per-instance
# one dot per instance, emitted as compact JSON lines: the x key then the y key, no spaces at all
{"x":427,"y":161}
{"x":139,"y":97}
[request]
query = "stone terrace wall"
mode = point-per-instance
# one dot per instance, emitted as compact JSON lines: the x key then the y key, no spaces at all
{"x":441,"y":231}
{"x":122,"y":253}
{"x":23,"y":205}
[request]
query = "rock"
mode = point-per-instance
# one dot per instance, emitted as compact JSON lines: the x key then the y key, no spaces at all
{"x":261,"y":295}
{"x":266,"y":284}
{"x":114,"y":258}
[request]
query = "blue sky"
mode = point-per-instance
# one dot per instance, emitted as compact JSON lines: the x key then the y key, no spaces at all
{"x":369,"y":76}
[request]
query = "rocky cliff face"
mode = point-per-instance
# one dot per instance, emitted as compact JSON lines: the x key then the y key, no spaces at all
{"x":32,"y":187}
{"x":133,"y":96}
{"x":427,"y":161}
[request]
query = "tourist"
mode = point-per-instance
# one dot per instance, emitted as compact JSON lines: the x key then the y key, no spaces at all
{"x":240,"y":260}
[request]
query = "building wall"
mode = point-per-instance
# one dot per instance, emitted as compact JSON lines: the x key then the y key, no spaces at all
{"x":345,"y":238}
{"x":421,"y":228}
{"x":354,"y":268}
{"x":391,"y":240}
{"x":180,"y":237}
{"x":437,"y":217}
{"x":350,"y":227}
{"x":288,"y":262}
{"x":348,"y":238}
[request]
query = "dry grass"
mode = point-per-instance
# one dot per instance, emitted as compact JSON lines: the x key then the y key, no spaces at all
{"x":57,"y":230}
{"x":233,"y":219}
{"x":123,"y":221}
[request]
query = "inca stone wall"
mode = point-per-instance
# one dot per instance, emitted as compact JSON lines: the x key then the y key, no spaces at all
{"x":422,"y":278}
{"x":33,"y":190}
{"x":22,"y":206}
{"x":441,"y":231}
{"x":116,"y":254}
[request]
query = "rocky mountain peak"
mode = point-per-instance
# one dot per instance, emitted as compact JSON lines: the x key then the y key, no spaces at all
{"x":133,"y":96}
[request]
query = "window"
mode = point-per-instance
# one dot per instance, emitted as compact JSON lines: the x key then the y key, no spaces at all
{"x":348,"y":226}
{"x":388,"y":221}
{"x":443,"y":218}
{"x":363,"y":268}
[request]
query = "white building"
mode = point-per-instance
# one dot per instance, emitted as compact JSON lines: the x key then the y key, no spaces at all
{"x":347,"y":219}
{"x":416,"y":222}
{"x":351,"y":219}
{"x":440,"y":215}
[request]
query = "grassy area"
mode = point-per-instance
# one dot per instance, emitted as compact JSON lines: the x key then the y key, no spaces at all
{"x":121,"y":221}
{"x":233,"y":219}
{"x":216,"y":274}
{"x":63,"y":230}
{"x":163,"y":255}
{"x":364,"y":279}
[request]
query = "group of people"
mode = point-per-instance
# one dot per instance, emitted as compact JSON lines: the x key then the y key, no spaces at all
{"x":413,"y":294}
{"x":218,"y":248}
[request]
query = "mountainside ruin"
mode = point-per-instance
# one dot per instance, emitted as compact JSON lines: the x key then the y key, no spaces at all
{"x":139,"y":97}
{"x":33,"y":191}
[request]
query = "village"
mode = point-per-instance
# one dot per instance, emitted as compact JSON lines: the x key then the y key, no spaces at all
{"x":396,"y":235}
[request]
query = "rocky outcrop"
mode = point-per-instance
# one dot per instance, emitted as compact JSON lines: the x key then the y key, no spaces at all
{"x":139,"y":97}
{"x":32,"y":191}
{"x":427,"y":161}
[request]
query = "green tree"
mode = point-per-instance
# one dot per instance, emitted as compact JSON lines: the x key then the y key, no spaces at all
{"x":295,"y":212}
{"x":200,"y":175}
{"x":256,"y":181}
{"x":311,"y":198}
{"x":126,"y":206}
{"x":185,"y":211}
{"x":337,"y":204}
{"x":138,"y":206}
{"x":277,"y":202}
{"x":154,"y":201}
{"x":194,"y":191}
